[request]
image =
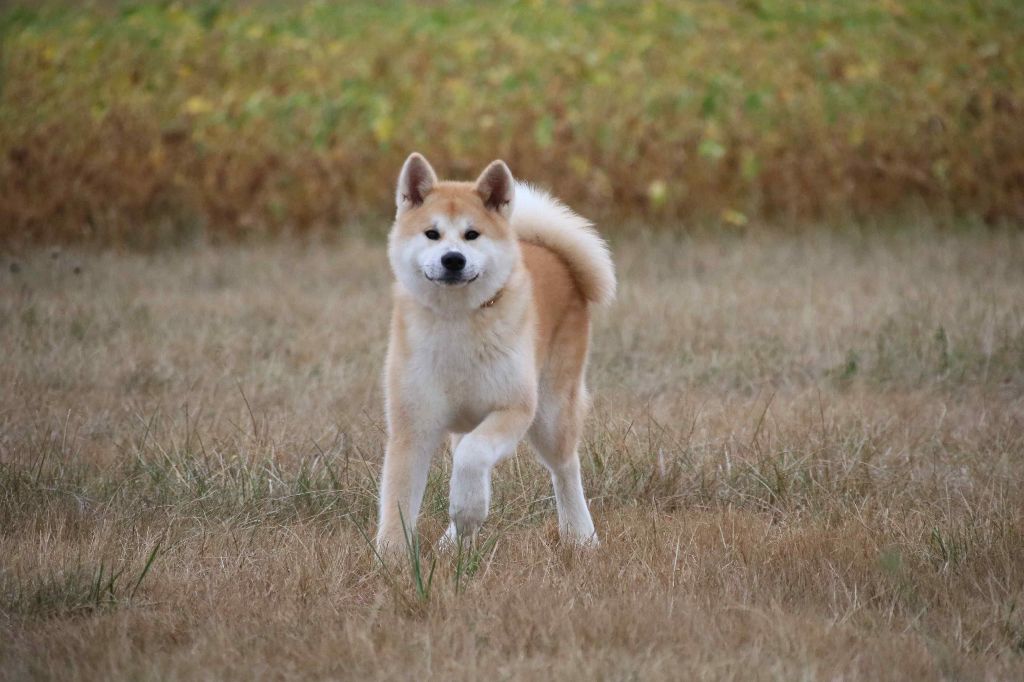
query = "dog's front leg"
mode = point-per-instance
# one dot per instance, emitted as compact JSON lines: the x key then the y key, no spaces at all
{"x":403,"y":480}
{"x":489,"y":443}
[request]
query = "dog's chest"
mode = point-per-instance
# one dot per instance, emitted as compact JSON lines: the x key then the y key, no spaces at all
{"x":471,"y":369}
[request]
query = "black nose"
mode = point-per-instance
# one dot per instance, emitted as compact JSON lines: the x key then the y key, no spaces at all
{"x":454,"y":261}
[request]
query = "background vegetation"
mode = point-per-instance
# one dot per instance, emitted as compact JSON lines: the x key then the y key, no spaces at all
{"x":142,"y":122}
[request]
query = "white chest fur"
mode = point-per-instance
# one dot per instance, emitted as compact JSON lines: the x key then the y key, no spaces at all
{"x":468,"y":366}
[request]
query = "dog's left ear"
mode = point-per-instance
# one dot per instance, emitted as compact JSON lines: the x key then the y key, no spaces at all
{"x":497,"y":188}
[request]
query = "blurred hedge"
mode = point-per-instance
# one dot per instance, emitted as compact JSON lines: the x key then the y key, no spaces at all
{"x":137,"y":122}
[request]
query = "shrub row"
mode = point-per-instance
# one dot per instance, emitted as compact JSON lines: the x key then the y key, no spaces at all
{"x":136,"y":123}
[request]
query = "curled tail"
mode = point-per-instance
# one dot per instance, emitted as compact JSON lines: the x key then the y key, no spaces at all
{"x":540,"y":219}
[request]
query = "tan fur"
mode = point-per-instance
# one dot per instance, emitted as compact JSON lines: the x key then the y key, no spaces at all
{"x":498,"y":355}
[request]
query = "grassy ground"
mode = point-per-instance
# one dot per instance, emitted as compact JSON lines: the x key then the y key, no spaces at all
{"x":150,"y":121}
{"x":805,"y":461}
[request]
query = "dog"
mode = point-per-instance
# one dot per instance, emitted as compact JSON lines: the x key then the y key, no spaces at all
{"x":495,"y":285}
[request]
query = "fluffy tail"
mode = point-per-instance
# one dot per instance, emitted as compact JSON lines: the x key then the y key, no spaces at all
{"x":540,"y":219}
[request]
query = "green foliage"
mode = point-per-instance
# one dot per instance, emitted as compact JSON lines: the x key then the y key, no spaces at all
{"x":74,"y":591}
{"x":241,"y":118}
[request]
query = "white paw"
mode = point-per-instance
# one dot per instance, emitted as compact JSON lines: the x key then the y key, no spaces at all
{"x":470,"y":498}
{"x":581,"y":540}
{"x":449,"y":542}
{"x":579,"y":533}
{"x":390,"y":545}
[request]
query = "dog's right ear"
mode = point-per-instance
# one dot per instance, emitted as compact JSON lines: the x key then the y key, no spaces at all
{"x":415,"y":182}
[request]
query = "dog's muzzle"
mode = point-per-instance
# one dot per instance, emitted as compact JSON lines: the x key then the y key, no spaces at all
{"x":453,"y":270}
{"x":451,"y":278}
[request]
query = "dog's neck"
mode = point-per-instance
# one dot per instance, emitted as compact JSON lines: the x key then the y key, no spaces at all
{"x":493,"y":299}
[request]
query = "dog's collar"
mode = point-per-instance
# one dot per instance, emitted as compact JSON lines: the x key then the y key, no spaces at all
{"x":494,"y":299}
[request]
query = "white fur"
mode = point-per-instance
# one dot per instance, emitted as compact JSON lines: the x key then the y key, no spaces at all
{"x":456,"y":378}
{"x":417,"y":266}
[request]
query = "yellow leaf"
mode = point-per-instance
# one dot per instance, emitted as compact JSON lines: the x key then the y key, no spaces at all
{"x":734,"y":217}
{"x":383,"y":127}
{"x":657,"y":193}
{"x":196,"y":105}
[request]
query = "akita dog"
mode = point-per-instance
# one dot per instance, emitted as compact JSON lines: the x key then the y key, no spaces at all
{"x":489,"y":336}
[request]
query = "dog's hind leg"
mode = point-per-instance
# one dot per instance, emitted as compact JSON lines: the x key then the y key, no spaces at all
{"x":555,"y":436}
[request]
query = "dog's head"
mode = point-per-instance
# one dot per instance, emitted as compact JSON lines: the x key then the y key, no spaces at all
{"x":451,"y":245}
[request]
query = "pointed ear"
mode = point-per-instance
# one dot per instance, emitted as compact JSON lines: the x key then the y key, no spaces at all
{"x":497,"y":188}
{"x":415,"y":182}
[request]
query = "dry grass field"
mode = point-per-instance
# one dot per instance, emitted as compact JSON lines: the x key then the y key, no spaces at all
{"x":805,"y":461}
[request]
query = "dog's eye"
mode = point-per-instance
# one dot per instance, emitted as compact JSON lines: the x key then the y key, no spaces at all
{"x":471,"y":235}
{"x":432,"y":234}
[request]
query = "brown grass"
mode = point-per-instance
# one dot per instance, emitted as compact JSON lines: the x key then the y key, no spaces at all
{"x":805,"y":460}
